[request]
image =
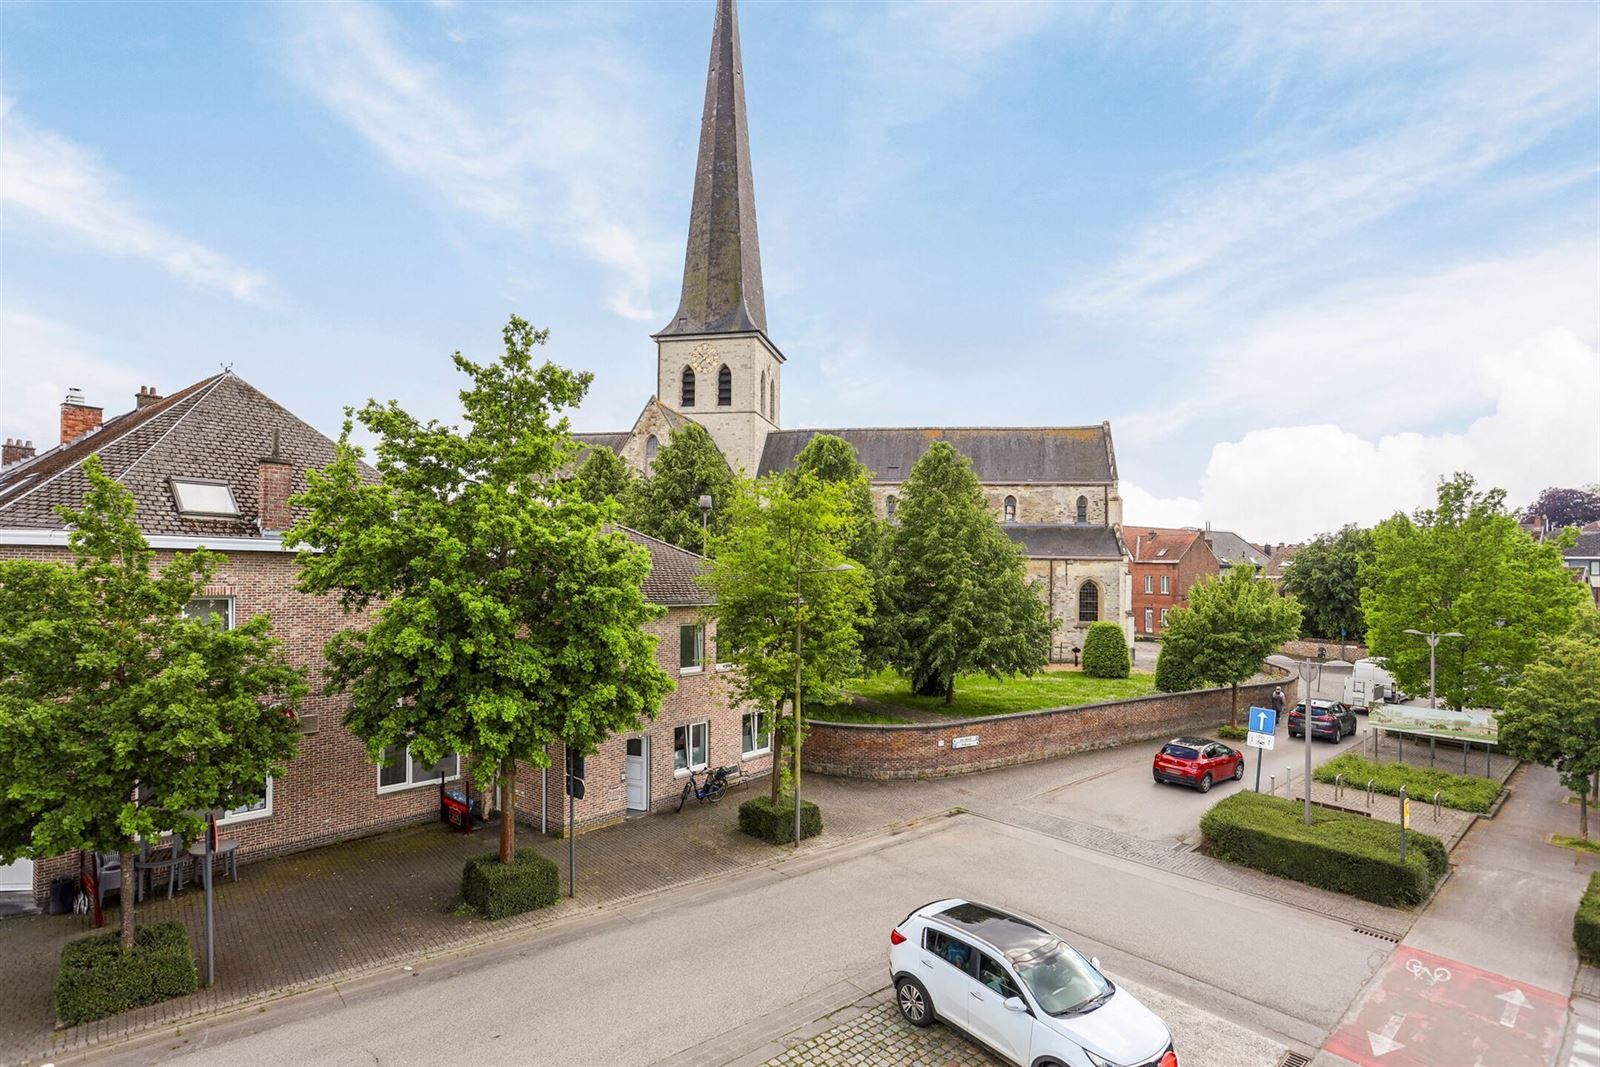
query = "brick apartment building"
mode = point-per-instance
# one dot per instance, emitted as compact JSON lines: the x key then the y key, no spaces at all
{"x":214,"y":465}
{"x":1165,"y":563}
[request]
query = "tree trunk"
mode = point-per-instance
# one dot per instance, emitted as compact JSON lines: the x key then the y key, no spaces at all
{"x":130,"y":883}
{"x":1233,"y":710}
{"x":950,"y":691}
{"x":1583,"y":818}
{"x":777,"y":760}
{"x":508,"y":808}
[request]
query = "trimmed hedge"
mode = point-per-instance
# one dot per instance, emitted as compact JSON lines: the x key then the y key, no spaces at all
{"x":774,"y":823}
{"x":1232,"y":733}
{"x":1338,"y":851}
{"x":498,"y":889}
{"x":1174,"y":674}
{"x":98,"y":979}
{"x":1105,"y":651}
{"x":1586,"y":923}
{"x":1460,"y":791}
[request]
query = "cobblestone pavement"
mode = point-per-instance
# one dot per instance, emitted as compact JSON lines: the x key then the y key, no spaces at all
{"x":880,"y":1038}
{"x":337,"y":912}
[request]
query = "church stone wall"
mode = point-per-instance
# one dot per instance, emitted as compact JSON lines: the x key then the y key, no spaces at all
{"x":739,"y":429}
{"x":1057,"y":504}
{"x":652,"y":423}
{"x":1059,"y":582}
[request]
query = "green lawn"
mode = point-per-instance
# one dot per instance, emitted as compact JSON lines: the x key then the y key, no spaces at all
{"x":982,"y":695}
{"x":850,"y":713}
{"x":1462,"y":792}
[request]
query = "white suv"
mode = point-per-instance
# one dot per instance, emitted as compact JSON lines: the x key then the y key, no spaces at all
{"x":1020,"y":990}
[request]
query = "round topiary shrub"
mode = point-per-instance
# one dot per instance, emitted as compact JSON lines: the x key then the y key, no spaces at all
{"x":1174,"y":673}
{"x":1105,"y":652}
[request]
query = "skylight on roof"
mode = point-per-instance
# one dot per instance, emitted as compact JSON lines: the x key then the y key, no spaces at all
{"x":204,"y":499}
{"x":1163,"y":552}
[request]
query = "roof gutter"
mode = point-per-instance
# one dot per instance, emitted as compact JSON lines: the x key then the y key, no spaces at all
{"x":158,"y":541}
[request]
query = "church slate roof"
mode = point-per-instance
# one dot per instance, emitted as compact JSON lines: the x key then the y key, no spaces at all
{"x":722,"y":290}
{"x":613,"y":441}
{"x":674,"y":572}
{"x":217,"y":429}
{"x":1075,"y":455}
{"x":1065,"y":541}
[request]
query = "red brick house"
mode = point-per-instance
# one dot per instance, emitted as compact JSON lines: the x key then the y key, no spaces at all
{"x":214,"y":465}
{"x":1165,"y":563}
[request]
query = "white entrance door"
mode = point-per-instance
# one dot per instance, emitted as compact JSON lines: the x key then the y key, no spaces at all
{"x":638,"y":774}
{"x":16,"y":876}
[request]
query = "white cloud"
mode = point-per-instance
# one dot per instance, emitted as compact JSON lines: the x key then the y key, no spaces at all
{"x":54,"y":182}
{"x":58,"y":357}
{"x":553,"y":147}
{"x":1291,"y":482}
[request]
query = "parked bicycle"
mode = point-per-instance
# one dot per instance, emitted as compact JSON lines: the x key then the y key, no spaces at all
{"x":712,"y":788}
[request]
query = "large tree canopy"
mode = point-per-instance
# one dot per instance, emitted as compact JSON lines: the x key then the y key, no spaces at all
{"x":779,"y":566}
{"x":1567,"y":507}
{"x":1325,"y":576}
{"x":666,"y":502}
{"x":1464,"y":566}
{"x":603,"y":477}
{"x":120,"y":717}
{"x":1552,"y":714}
{"x":957,"y":588}
{"x":505,"y":618}
{"x":1231,"y":625}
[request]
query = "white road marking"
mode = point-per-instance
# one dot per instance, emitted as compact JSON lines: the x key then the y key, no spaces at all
{"x":1383,"y":1041}
{"x":1515,"y":1002}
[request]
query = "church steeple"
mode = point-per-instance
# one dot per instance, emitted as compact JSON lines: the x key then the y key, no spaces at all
{"x":722,"y":266}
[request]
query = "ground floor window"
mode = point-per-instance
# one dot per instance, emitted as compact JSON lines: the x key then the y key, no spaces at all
{"x":260,"y":809}
{"x":1164,"y":616}
{"x":1149,"y":621}
{"x":691,"y":746}
{"x":756,"y":733}
{"x":401,"y":770}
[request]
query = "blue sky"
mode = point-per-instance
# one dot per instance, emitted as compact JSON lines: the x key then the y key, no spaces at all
{"x":1305,"y":258}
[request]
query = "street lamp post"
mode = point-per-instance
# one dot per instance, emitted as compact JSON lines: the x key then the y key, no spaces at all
{"x":1308,"y":666}
{"x":800,"y":571}
{"x":1433,"y":637}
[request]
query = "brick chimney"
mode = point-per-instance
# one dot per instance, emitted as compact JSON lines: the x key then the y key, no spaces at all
{"x":146,"y":396}
{"x":274,"y":481}
{"x":16,"y":449}
{"x":77,"y":418}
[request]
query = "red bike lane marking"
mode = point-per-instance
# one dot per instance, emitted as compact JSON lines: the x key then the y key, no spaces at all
{"x":1428,"y":1011}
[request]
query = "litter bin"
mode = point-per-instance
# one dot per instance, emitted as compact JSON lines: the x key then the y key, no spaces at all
{"x":63,"y":894}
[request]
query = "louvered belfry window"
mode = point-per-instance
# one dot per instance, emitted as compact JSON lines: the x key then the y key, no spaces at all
{"x":687,"y":397}
{"x":724,"y":387}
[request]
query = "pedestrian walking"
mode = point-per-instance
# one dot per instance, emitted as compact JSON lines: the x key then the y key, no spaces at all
{"x":1277,"y":701}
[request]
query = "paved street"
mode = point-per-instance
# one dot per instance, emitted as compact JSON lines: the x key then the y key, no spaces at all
{"x":681,"y":986}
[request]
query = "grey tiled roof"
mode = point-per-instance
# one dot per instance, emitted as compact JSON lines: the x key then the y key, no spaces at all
{"x":674,"y":572}
{"x":613,"y":441}
{"x":1053,"y":541}
{"x":999,"y":454}
{"x":1230,"y":548}
{"x":217,"y":429}
{"x":1586,"y":547}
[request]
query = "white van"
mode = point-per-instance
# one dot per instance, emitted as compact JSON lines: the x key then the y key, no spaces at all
{"x":1369,"y":684}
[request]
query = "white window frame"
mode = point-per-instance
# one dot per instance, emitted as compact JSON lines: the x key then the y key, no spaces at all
{"x":246,"y":814}
{"x":697,"y":667}
{"x":1166,"y":584}
{"x":704,"y":726}
{"x":1164,"y":613}
{"x":231,"y":609}
{"x":401,"y":787}
{"x":755,"y":752}
{"x":1149,"y":584}
{"x":177,"y":483}
{"x":1149,"y":620}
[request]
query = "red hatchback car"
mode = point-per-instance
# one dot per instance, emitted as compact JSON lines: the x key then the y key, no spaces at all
{"x":1197,"y":761}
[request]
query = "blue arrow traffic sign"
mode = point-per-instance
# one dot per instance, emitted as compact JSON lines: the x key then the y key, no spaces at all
{"x":1263,"y":721}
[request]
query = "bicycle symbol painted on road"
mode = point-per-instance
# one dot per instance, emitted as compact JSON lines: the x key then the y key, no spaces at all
{"x":1423,"y":973}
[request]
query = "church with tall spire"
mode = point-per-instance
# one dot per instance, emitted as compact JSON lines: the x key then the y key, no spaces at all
{"x":1053,"y":488}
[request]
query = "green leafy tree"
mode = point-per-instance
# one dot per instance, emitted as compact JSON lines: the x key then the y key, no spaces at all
{"x":603,"y":476}
{"x":1567,"y":507}
{"x":1174,"y":664}
{"x":1232,"y":624}
{"x":780,"y":566}
{"x":1105,"y":652}
{"x":1464,"y":566}
{"x":1325,"y":576}
{"x":504,"y":618}
{"x":957,"y":587}
{"x":120,"y":718}
{"x":666,"y":503}
{"x":1552,"y":715}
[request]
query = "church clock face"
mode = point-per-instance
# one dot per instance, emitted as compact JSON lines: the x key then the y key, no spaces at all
{"x":704,"y":356}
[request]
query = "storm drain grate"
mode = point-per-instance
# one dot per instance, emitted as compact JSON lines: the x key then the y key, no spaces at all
{"x":1379,"y":934}
{"x":1292,"y":1059}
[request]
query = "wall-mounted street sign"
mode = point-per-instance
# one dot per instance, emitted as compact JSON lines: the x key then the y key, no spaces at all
{"x":969,"y":741}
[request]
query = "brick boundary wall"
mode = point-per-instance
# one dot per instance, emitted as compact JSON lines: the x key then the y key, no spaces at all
{"x":1306,"y":648}
{"x":925,"y":750}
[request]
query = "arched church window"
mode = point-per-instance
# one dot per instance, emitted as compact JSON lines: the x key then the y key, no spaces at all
{"x":889,"y":503}
{"x":1011,"y":509}
{"x":1088,"y":602}
{"x":1083,"y":509}
{"x":650,"y":446}
{"x":687,"y":396}
{"x":761,"y":396}
{"x":724,"y":387}
{"x":772,"y":399}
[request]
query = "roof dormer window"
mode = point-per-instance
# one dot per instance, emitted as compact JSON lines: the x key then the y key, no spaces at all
{"x":202,"y":498}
